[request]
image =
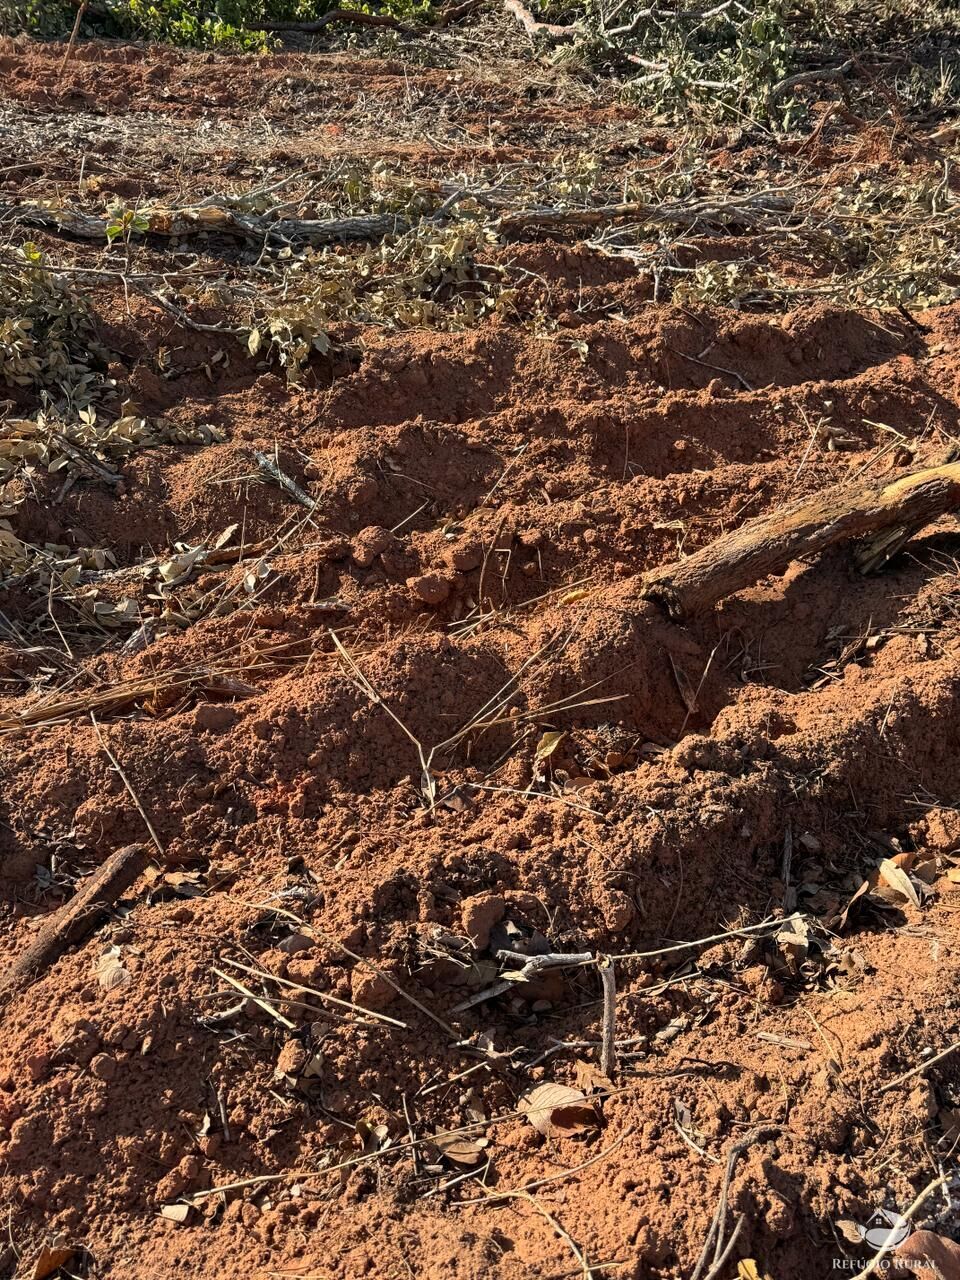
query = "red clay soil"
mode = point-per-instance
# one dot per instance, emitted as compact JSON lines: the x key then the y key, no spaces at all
{"x":485,"y":502}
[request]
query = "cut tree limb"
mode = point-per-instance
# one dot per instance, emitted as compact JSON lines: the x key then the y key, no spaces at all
{"x":212,"y":220}
{"x":533,"y":27}
{"x":354,"y":16}
{"x":76,"y":919}
{"x":802,"y":528}
{"x":224,"y":220}
{"x":822,"y":75}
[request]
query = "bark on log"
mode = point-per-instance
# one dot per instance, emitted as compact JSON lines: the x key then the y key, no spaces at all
{"x":77,"y":918}
{"x":215,"y":221}
{"x":551,"y":30}
{"x":221,"y":220}
{"x":770,"y":543}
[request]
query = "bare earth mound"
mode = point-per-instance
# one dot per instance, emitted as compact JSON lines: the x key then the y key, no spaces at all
{"x":361,"y":660}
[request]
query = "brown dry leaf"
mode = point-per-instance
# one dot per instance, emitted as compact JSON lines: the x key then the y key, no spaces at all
{"x":548,"y":744}
{"x":589,"y":1077}
{"x":176,"y":1212}
{"x":895,"y":878}
{"x":111,"y":973}
{"x":927,"y":870}
{"x":558,"y":1110}
{"x":794,"y":942}
{"x":850,"y":1230}
{"x":51,"y":1259}
{"x":931,"y":1253}
{"x":747,"y":1269}
{"x":890,"y":869}
{"x":458,"y":1149}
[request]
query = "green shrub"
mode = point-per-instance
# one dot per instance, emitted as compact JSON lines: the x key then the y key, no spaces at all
{"x":233,"y":24}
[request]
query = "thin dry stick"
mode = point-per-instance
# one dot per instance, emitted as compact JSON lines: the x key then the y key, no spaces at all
{"x":586,"y":1269}
{"x":335,"y":942}
{"x":390,"y":982}
{"x":128,"y":785}
{"x":923,"y":1066}
{"x":321,"y":995}
{"x":906,"y":1216}
{"x":554,"y":1177}
{"x":298,"y":1175}
{"x":746,"y":931}
{"x":718,"y":1224}
{"x":73,"y":36}
{"x":721,"y":1262}
{"x":365,"y":685}
{"x":265,"y":1005}
{"x":608,"y":1051}
{"x":533,"y":966}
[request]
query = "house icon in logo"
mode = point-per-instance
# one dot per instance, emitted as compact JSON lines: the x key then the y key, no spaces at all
{"x":884,"y":1229}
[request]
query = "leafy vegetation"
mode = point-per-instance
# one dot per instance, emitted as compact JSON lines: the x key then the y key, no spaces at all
{"x":231,"y":24}
{"x":734,"y":60}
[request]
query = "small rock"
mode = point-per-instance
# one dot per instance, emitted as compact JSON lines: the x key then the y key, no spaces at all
{"x":479,"y":914}
{"x":370,"y":543}
{"x":431,"y":588}
{"x":618,"y":910}
{"x":37,"y":1065}
{"x":464,"y":556}
{"x":103,"y":1066}
{"x":294,"y":943}
{"x":292,"y":1059}
{"x":362,"y":491}
{"x":370,"y":990}
{"x":214,"y":717}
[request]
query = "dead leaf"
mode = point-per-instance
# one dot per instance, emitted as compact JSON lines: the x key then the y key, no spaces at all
{"x":558,"y":1111}
{"x":111,"y":973}
{"x":932,"y":1253}
{"x":589,"y":1077}
{"x":927,"y":870}
{"x":548,"y":744}
{"x":51,"y":1259}
{"x":225,"y":537}
{"x":893,"y":877}
{"x":458,"y":1149}
{"x":747,"y":1269}
{"x":887,"y":883}
{"x":850,"y":1230}
{"x":794,"y":942}
{"x":375,"y":1137}
{"x":176,"y":1212}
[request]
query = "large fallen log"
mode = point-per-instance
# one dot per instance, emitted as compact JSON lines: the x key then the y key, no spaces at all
{"x":887,"y":514}
{"x":219,"y":219}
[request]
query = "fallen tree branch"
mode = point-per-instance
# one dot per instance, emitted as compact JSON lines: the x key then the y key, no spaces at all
{"x":820,"y":76}
{"x":533,"y":27}
{"x":354,"y":16}
{"x":76,"y":919}
{"x":207,"y":218}
{"x":212,"y":220}
{"x":769,"y":543}
{"x":715,"y":1235}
